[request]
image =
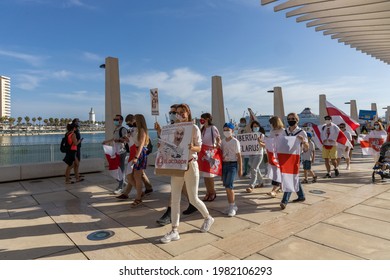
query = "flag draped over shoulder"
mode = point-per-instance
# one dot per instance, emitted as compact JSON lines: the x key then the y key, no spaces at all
{"x":316,"y":137}
{"x":283,"y":161}
{"x":113,"y":160}
{"x":210,"y":160}
{"x":339,"y":116}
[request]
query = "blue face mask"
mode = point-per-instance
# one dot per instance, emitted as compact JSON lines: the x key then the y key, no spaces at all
{"x":116,"y":123}
{"x":256,"y":129}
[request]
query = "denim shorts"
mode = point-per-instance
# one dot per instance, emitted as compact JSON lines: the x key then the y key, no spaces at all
{"x":229,"y":171}
{"x":306,"y":165}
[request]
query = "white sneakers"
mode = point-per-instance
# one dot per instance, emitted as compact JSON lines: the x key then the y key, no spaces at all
{"x":231,"y":210}
{"x":170,"y":236}
{"x":118,"y":191}
{"x":207,"y":224}
{"x":173,"y":235}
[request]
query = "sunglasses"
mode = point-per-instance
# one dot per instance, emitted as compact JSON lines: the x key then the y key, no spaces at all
{"x":172,"y":113}
{"x":116,"y":119}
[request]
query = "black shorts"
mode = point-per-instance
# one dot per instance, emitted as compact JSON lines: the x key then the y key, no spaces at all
{"x":70,"y":157}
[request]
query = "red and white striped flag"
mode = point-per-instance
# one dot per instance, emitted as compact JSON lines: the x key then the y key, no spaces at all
{"x":283,"y":161}
{"x":316,"y":137}
{"x":113,"y":160}
{"x":339,"y":116}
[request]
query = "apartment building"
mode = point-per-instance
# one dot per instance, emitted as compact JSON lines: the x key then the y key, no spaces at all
{"x":5,"y":96}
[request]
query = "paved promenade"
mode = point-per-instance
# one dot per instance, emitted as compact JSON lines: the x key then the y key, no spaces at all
{"x":46,"y":219}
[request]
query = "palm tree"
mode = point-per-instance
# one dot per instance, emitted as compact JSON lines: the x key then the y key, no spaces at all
{"x":19,"y":120}
{"x":34,"y":119}
{"x":39,"y":119}
{"x":51,"y":121}
{"x":27,"y":119}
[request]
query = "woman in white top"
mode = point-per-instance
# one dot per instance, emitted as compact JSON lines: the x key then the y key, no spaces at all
{"x":210,"y":138}
{"x":377,"y":137}
{"x":277,"y":129}
{"x":191,"y":179}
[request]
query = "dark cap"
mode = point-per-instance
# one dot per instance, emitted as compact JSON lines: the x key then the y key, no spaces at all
{"x":328,"y":118}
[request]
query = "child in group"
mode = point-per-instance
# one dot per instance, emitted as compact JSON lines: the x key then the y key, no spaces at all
{"x":307,"y":159}
{"x":231,"y":162}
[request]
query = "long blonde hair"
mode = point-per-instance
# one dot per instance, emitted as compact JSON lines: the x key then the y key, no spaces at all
{"x":276,"y":122}
{"x":142,"y":128}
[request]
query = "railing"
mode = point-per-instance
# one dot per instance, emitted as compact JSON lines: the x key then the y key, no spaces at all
{"x":19,"y":154}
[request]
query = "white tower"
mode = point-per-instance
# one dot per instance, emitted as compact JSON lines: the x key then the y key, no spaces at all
{"x":5,"y":96}
{"x":92,"y":116}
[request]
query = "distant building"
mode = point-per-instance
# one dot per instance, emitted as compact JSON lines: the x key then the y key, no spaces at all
{"x":307,"y":117}
{"x":92,"y":116}
{"x":5,"y":96}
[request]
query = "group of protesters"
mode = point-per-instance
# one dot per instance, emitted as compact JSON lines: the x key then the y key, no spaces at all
{"x":295,"y":141}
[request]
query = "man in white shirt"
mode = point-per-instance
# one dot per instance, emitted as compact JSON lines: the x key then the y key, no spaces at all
{"x":329,"y":134}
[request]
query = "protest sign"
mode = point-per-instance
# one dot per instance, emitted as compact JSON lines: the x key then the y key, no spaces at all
{"x":249,"y":143}
{"x":173,"y":152}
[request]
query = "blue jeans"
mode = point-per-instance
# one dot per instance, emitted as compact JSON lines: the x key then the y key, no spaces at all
{"x":229,"y":171}
{"x":287,"y":195}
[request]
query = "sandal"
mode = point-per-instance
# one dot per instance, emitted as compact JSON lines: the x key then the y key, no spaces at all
{"x":272,"y":194}
{"x":314,"y":179}
{"x":135,"y":203}
{"x":79,"y":180}
{"x":206,"y":197}
{"x":212,"y":197}
{"x":249,"y":190}
{"x":69,"y":182}
{"x":304,"y":181}
{"x":259,"y":186}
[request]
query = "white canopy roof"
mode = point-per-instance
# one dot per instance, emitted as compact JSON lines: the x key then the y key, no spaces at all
{"x":361,"y":24}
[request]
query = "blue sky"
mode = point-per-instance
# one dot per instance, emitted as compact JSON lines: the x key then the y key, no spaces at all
{"x":52,"y":50}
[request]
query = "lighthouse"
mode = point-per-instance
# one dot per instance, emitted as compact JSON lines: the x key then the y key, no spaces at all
{"x":92,"y":116}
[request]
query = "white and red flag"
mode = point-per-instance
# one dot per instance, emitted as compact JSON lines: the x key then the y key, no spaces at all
{"x":316,"y":137}
{"x":113,"y":160}
{"x":339,"y":116}
{"x":371,"y":145}
{"x":283,"y":161}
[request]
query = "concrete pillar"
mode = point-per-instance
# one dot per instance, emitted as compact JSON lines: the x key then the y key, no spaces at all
{"x":353,"y":110}
{"x":278,"y":103}
{"x":322,"y":108}
{"x":217,"y":105}
{"x":113,"y":96}
{"x":388,"y":115}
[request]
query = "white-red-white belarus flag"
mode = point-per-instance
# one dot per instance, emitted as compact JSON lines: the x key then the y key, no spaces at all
{"x":316,"y":137}
{"x":113,"y":160}
{"x":371,"y":145}
{"x":339,"y":116}
{"x":273,"y":170}
{"x":283,"y":161}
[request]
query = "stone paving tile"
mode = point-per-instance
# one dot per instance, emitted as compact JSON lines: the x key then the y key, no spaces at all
{"x":245,"y":243}
{"x":39,"y":186}
{"x":91,"y":193}
{"x":54,"y":197}
{"x":12,"y":189}
{"x":70,"y":254}
{"x":348,"y":241}
{"x":362,"y":224}
{"x":371,"y":212}
{"x":255,"y":257}
{"x":31,"y":237}
{"x":280,"y":228}
{"x":376,"y":202}
{"x":207,"y":252}
{"x":78,"y":222}
{"x":17,"y":202}
{"x":295,"y":248}
{"x":385,"y":195}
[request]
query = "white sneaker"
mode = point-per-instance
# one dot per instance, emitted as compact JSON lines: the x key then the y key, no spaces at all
{"x":348,"y":167}
{"x":170,"y":236}
{"x":207,"y":224}
{"x":232,"y":211}
{"x":118,"y":191}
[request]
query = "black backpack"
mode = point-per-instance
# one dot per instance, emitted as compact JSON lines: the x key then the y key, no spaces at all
{"x":149,"y":147}
{"x":64,"y":147}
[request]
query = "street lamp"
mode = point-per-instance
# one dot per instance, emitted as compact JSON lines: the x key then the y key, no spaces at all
{"x":103,"y":66}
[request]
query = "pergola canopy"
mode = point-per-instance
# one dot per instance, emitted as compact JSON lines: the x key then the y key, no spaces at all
{"x":361,"y":24}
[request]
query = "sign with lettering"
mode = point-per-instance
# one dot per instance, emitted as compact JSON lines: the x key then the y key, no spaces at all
{"x":249,"y":143}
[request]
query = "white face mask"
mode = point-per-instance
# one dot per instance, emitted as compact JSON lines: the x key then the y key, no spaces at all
{"x":179,"y":118}
{"x":256,"y":129}
{"x":172,"y":118}
{"x":328,"y":121}
{"x":376,"y":126}
{"x":228,"y":134}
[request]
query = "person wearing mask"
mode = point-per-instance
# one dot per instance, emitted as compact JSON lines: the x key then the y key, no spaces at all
{"x":191,"y":180}
{"x":131,"y":123}
{"x":231,"y":164}
{"x":210,"y":138}
{"x":329,"y":134}
{"x":377,"y":137}
{"x":255,"y":160}
{"x":294,"y":130}
{"x":165,"y":219}
{"x":119,"y":139}
{"x":78,"y":137}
